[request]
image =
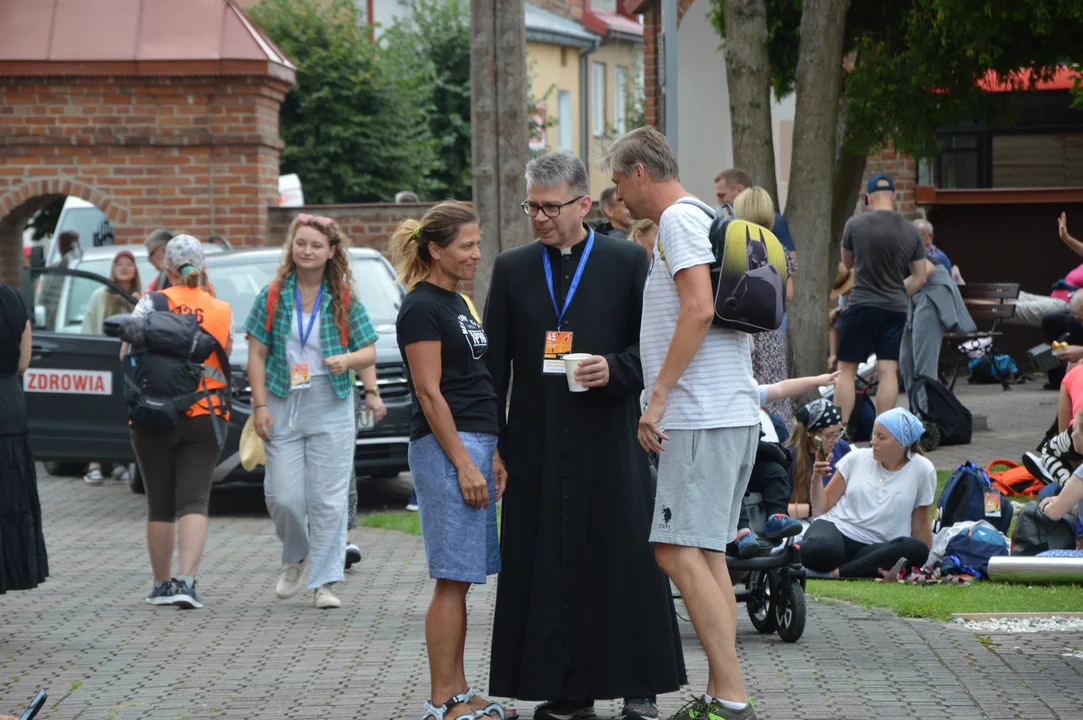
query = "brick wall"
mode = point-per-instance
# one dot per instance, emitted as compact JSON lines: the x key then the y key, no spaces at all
{"x":652,"y":30}
{"x":903,"y":170}
{"x":366,"y":224}
{"x":197,"y":155}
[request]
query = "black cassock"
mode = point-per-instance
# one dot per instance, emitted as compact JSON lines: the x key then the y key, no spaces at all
{"x":582,"y":609}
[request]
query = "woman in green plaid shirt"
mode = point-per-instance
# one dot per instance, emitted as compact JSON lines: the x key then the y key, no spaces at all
{"x":302,"y":400}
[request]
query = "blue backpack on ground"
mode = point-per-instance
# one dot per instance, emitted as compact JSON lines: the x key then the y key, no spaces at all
{"x":964,"y":498}
{"x":969,"y":552}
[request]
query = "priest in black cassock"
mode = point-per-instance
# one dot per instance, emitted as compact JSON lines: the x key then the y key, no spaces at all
{"x":583,"y":612}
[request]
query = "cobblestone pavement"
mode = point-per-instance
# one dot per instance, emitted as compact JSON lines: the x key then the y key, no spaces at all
{"x":87,"y":636}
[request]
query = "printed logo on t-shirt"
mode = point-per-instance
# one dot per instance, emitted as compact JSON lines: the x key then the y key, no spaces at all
{"x":475,"y":336}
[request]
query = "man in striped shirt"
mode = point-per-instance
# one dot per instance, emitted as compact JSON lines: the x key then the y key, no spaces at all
{"x":702,"y":416}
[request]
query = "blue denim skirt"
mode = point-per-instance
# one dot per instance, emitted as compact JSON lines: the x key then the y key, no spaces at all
{"x":461,"y":543}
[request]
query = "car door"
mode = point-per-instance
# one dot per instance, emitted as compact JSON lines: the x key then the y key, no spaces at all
{"x":74,"y":386}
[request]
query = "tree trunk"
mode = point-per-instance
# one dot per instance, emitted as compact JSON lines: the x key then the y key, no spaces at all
{"x":748,"y":75}
{"x":849,"y":167}
{"x":809,"y":203}
{"x":498,"y":94}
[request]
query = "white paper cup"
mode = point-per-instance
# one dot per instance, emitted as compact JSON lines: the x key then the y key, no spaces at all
{"x":571,"y":362}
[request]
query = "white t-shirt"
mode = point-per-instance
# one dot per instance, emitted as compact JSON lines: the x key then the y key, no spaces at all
{"x":717,"y":390}
{"x":877,"y":505}
{"x":313,"y":350}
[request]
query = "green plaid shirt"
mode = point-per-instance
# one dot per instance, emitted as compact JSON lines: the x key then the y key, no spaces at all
{"x":278,"y":369}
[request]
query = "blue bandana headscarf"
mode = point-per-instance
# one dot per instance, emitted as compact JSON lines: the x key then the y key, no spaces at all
{"x":903,"y":426}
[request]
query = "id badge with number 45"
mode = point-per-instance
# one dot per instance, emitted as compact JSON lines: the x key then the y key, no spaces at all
{"x":557,"y":345}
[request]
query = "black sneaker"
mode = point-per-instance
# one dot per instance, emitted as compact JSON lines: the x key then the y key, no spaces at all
{"x":186,"y":597}
{"x":353,"y":555}
{"x":639,"y":708}
{"x":162,"y":595}
{"x":564,"y":710}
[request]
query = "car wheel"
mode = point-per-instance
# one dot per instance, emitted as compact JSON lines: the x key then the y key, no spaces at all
{"x":62,"y":469}
{"x":136,"y":481}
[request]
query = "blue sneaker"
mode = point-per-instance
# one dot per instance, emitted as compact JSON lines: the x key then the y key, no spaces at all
{"x":186,"y":597}
{"x":748,"y":545}
{"x":162,"y":595}
{"x":782,"y":526}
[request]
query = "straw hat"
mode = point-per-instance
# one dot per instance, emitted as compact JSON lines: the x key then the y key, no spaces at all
{"x":251,"y":449}
{"x":844,"y":281}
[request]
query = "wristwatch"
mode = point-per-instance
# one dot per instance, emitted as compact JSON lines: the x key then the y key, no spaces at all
{"x":373,"y":391}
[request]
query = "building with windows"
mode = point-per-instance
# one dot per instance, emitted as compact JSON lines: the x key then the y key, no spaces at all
{"x":584,"y":60}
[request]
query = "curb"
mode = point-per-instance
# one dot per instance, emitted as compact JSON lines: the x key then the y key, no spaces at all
{"x":1014,"y":616}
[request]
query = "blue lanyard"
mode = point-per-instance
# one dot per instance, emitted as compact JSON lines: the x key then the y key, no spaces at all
{"x":300,"y":315}
{"x":575,"y":278}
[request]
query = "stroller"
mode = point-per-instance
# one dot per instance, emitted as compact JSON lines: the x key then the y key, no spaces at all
{"x":774,"y":583}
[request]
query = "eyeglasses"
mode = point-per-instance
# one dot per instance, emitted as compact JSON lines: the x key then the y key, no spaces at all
{"x":549,"y":209}
{"x":318,"y":219}
{"x":832,"y":436}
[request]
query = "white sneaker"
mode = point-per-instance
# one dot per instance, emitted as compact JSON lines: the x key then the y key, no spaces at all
{"x":326,"y":599}
{"x":120,"y":474}
{"x":93,"y":476}
{"x":290,"y":580}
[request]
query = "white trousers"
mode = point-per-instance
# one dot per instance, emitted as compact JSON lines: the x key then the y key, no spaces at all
{"x":307,"y":478}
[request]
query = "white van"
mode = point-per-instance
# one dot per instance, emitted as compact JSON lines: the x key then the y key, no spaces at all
{"x":84,"y":218}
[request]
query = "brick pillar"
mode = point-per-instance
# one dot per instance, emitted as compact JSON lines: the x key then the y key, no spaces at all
{"x":903,"y":170}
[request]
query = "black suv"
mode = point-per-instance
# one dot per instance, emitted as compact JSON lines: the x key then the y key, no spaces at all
{"x":74,"y":388}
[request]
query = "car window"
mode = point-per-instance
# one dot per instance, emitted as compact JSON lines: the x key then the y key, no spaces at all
{"x":100,"y":266}
{"x":74,"y":305}
{"x":239,"y":284}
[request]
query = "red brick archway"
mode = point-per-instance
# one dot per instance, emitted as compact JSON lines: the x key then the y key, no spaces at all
{"x":157,"y":129}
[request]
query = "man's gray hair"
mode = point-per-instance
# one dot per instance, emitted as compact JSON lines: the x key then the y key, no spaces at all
{"x":643,"y":146}
{"x":552,"y":169}
{"x":924,"y":225}
{"x":1075,"y":304}
{"x":406,"y":196}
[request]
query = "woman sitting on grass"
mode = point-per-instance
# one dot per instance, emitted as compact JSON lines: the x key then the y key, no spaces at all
{"x":1069,"y":501}
{"x":820,"y":420}
{"x":875,"y":510}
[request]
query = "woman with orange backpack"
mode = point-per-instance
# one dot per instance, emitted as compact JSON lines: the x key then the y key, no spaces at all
{"x":306,"y":330}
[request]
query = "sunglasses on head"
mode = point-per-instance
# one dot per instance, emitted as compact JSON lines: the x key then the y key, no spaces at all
{"x":318,"y":219}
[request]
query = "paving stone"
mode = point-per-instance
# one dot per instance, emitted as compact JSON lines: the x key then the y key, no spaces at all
{"x":103,"y":653}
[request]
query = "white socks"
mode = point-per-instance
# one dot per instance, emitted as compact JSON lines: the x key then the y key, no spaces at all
{"x":725,"y":703}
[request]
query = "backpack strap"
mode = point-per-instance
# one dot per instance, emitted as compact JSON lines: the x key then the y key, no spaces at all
{"x":694,"y":203}
{"x":159,"y":302}
{"x":274,"y":293}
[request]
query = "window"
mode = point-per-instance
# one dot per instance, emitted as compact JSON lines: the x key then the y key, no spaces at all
{"x":565,"y":122}
{"x":620,"y":99}
{"x":597,"y":103}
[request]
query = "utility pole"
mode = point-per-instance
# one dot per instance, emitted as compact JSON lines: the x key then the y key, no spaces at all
{"x":498,"y":94}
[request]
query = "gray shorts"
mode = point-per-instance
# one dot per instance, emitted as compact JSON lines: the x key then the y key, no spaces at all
{"x":702,"y":478}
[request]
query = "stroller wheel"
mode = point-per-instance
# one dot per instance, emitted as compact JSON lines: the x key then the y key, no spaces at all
{"x":788,"y":611}
{"x":759,"y":603}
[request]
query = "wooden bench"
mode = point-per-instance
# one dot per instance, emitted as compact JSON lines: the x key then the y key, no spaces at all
{"x":988,"y":304}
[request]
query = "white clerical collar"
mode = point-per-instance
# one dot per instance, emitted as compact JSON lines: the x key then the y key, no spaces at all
{"x":566,"y":251}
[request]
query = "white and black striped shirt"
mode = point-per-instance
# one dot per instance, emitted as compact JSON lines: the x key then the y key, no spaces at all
{"x":718,"y":389}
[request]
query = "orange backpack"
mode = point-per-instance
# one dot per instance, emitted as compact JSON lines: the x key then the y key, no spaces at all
{"x":1016,"y":481}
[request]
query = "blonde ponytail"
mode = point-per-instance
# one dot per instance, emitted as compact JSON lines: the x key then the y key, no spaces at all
{"x":406,"y":253}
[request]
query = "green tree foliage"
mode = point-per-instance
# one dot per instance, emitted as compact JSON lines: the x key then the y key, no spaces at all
{"x":916,"y":64}
{"x":354,"y":129}
{"x":429,"y":50}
